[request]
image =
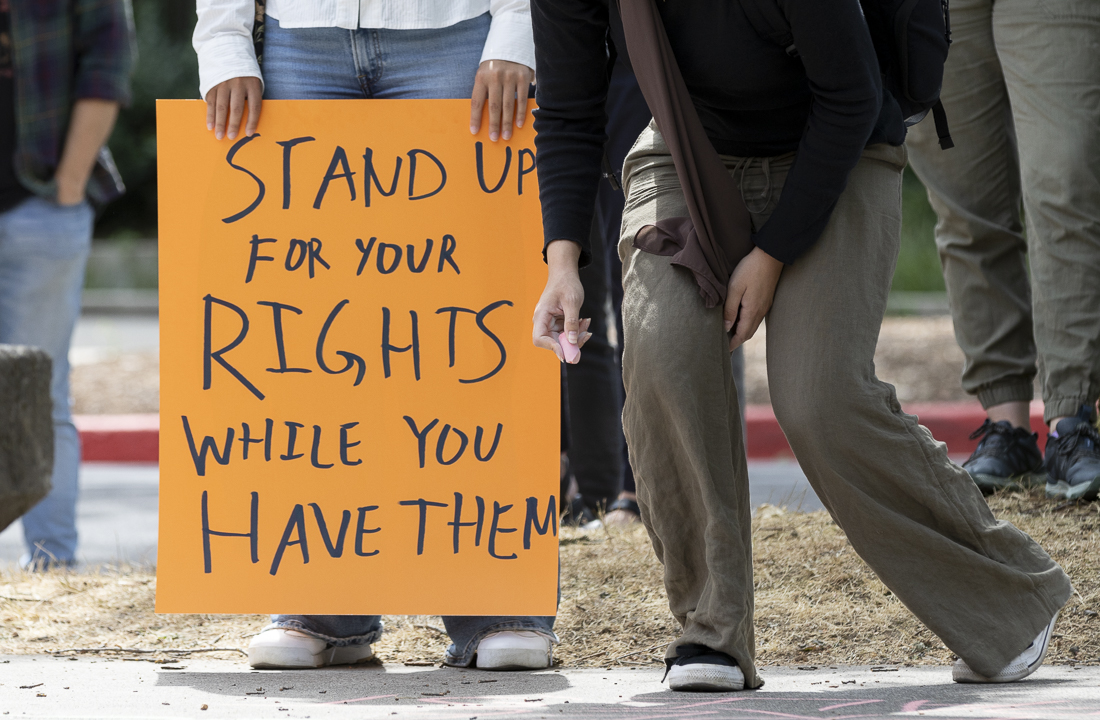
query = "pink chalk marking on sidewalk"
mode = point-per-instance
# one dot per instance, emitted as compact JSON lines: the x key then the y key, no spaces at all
{"x":709,"y":702}
{"x":1017,"y":705}
{"x":369,"y":697}
{"x":910,"y":706}
{"x":848,"y":704}
{"x":779,"y":714}
{"x":660,"y":717}
{"x":497,"y":713}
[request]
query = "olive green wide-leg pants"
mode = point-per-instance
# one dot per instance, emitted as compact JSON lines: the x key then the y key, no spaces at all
{"x":983,"y":586}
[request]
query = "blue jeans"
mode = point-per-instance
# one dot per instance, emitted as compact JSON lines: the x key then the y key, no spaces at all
{"x":333,"y":63}
{"x":338,"y":64}
{"x":43,"y":250}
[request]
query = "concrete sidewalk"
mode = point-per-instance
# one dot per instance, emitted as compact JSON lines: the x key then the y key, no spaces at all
{"x":42,"y":686}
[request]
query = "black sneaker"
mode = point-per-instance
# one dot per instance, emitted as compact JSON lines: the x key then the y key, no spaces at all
{"x":1073,"y":458}
{"x":697,"y":667}
{"x":576,"y":513}
{"x":1007,"y":458}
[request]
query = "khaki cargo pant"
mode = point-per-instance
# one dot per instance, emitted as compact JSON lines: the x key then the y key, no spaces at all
{"x":915,"y":517}
{"x":1022,"y":94}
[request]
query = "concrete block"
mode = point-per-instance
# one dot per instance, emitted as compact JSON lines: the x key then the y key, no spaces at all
{"x":26,"y":430}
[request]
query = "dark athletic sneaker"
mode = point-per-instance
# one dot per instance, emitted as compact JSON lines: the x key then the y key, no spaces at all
{"x":1007,"y":458}
{"x":699,"y":668}
{"x":1073,"y":458}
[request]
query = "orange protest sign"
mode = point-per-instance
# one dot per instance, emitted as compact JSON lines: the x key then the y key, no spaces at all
{"x":353,"y":417}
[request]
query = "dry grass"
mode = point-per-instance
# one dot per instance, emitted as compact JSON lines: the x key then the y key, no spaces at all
{"x":816,"y":602}
{"x":117,"y":384}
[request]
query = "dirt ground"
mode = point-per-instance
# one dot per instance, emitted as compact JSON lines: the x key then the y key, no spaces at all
{"x":918,"y":355}
{"x":816,"y":602}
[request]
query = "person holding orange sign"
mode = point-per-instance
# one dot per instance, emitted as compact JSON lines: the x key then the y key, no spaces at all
{"x":480,"y":49}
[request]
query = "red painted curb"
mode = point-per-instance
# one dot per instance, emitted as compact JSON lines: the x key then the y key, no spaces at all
{"x":134,"y":438}
{"x":949,"y":422}
{"x":119,"y":438}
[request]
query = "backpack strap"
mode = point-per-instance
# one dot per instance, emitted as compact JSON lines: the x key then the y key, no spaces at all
{"x":770,"y":23}
{"x":609,"y":173}
{"x":942,"y":131}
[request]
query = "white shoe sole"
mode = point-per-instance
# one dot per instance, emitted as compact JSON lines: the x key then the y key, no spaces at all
{"x":705,"y":677}
{"x":271,"y":657}
{"x":1014,"y":672}
{"x":1062,"y":490}
{"x":513,"y":659}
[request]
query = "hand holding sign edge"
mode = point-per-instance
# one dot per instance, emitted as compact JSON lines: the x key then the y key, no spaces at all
{"x":225,"y":106}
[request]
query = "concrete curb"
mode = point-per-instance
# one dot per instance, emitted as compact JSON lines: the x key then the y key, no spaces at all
{"x":119,"y":438}
{"x":135,"y":438}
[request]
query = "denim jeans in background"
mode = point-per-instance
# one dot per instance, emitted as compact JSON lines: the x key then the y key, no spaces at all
{"x":43,"y":250}
{"x":333,"y":64}
{"x":337,"y":64}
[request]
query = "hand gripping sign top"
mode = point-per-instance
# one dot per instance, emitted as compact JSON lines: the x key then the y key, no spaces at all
{"x":353,"y":418}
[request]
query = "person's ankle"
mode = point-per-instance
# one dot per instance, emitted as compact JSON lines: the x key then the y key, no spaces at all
{"x":1016,"y":412}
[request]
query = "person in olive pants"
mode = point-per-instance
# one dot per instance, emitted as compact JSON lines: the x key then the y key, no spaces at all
{"x":1022,"y":91}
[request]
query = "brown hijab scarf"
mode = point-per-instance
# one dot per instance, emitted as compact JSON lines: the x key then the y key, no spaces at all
{"x":717,"y":234}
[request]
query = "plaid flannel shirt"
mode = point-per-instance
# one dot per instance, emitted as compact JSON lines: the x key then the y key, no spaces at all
{"x":64,"y":51}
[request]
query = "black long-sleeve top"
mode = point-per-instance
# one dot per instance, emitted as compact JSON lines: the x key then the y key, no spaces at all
{"x":753,"y":98}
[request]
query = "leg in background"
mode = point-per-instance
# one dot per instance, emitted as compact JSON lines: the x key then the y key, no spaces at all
{"x":595,"y":405}
{"x":975,"y":191}
{"x":1050,"y":54}
{"x":43,"y":250}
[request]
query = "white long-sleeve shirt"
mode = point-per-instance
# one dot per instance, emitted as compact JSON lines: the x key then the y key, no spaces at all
{"x":223,"y":34}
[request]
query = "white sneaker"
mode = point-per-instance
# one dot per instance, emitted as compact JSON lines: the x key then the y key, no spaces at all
{"x":1019,"y":668}
{"x":514,"y":650}
{"x":706,"y":677}
{"x":276,"y":648}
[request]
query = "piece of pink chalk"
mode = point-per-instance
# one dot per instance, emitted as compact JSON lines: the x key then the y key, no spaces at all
{"x":571,"y":351}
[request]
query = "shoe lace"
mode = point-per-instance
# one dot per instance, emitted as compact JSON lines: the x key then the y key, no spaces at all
{"x":1083,"y":440}
{"x":1001,"y":438}
{"x":988,"y":427}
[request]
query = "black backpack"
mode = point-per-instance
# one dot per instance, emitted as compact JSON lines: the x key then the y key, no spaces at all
{"x":911,"y":38}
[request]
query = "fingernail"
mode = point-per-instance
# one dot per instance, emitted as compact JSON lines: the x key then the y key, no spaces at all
{"x":573,"y":337}
{"x":587,"y":335}
{"x":494,"y":136}
{"x":728,"y":325}
{"x":507,"y":134}
{"x":209,"y":126}
{"x":519,"y":123}
{"x":232,"y":134}
{"x":218,"y":134}
{"x":473,"y":130}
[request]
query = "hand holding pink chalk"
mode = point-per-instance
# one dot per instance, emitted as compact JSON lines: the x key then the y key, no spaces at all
{"x":570,"y":350}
